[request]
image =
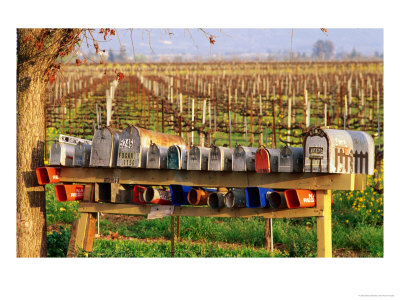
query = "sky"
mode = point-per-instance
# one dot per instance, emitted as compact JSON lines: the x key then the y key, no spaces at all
{"x":240,"y":41}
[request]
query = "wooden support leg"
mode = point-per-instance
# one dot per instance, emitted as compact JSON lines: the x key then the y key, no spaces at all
{"x":72,"y":240}
{"x":172,"y":236}
{"x":268,"y":234}
{"x":178,"y":228}
{"x":324,"y":224}
{"x":86,"y":229}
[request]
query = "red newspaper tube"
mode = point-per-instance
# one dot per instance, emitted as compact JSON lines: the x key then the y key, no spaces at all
{"x":46,"y":175}
{"x":69,"y":192}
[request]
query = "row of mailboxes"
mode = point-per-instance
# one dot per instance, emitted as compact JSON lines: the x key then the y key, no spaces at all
{"x":324,"y":151}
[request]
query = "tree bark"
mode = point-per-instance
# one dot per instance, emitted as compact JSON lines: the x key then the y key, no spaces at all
{"x":33,"y":63}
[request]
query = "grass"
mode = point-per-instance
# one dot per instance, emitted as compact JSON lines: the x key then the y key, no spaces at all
{"x":134,"y":248}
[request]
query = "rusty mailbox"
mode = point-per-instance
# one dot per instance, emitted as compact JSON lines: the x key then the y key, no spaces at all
{"x":266,"y":160}
{"x":220,"y":159}
{"x":338,"y":151}
{"x":176,"y":158}
{"x":62,"y":151}
{"x":104,"y":150}
{"x":290,"y":159}
{"x":157,"y":157}
{"x":198,"y":158}
{"x":135,"y":142}
{"x":82,"y":155}
{"x":243,"y":159}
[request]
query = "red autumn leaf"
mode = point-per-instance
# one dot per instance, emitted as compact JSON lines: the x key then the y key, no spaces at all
{"x":39,"y":45}
{"x":112,"y":32}
{"x":28,"y":38}
{"x":62,"y":53}
{"x":78,"y":62}
{"x":120,"y":76}
{"x":211,"y":38}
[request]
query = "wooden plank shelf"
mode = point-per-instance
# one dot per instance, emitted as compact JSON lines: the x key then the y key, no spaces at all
{"x":192,"y":211}
{"x":311,"y":181}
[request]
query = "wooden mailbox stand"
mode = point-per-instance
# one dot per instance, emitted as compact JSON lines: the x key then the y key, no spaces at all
{"x":322,"y":183}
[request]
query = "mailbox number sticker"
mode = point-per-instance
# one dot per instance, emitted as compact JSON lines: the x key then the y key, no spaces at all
{"x":316,"y":152}
{"x":126,"y":143}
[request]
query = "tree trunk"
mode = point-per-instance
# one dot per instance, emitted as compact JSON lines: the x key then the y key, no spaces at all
{"x":33,"y":63}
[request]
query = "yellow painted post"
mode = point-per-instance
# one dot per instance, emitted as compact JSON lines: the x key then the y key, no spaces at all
{"x":86,"y":229}
{"x":324,"y":224}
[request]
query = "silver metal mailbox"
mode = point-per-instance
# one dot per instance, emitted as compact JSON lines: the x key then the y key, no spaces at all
{"x":62,"y":151}
{"x":61,"y":154}
{"x":176,"y":158}
{"x":266,"y":160}
{"x":338,"y":151}
{"x":135,"y":142}
{"x":198,"y":158}
{"x":82,"y":155}
{"x":290,"y":159}
{"x":243,"y":158}
{"x":157,"y":157}
{"x":104,"y":150}
{"x":220,"y":159}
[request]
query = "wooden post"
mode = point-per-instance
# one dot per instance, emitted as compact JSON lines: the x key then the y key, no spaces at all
{"x":172,"y":236}
{"x":85,"y":231}
{"x":268,"y":234}
{"x":178,"y":227}
{"x":324,"y":224}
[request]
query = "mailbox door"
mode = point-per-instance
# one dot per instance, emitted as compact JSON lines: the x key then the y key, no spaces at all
{"x":273,"y":159}
{"x":194,"y":159}
{"x":204,"y":158}
{"x":297,"y":159}
{"x":104,"y":148}
{"x":55,"y":154}
{"x":214,"y":159}
{"x":227,"y":155}
{"x":239,"y":159}
{"x":183,"y":158}
{"x":79,"y":155}
{"x":285,"y":160}
{"x":262,"y":161}
{"x":86,"y":155}
{"x":153,"y":157}
{"x":67,"y":154}
{"x":250,"y":160}
{"x":163,"y":157}
{"x":174,"y":158}
{"x":316,"y":154}
{"x":129,"y":148}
